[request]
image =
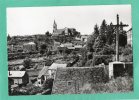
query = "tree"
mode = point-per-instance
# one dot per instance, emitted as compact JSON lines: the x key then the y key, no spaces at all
{"x":83,"y":58}
{"x":47,"y":34}
{"x":101,"y":45}
{"x":48,"y":84}
{"x":103,"y":30}
{"x":127,"y":50}
{"x":110,"y":34}
{"x":43,"y":49}
{"x":100,"y":41}
{"x":8,"y":37}
{"x":37,"y":44}
{"x":122,"y":39}
{"x":48,"y":39}
{"x":27,"y":63}
{"x":92,"y":38}
{"x":107,"y":50}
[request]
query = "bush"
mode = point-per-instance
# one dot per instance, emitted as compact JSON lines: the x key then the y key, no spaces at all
{"x":101,"y":59}
{"x":48,"y":84}
{"x":27,"y":62}
{"x":127,"y":50}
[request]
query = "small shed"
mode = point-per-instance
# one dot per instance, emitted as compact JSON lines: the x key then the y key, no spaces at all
{"x":116,"y":69}
{"x":18,"y":77}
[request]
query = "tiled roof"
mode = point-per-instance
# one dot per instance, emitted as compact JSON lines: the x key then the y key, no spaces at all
{"x":16,"y":73}
{"x":56,"y":65}
{"x":30,"y":43}
{"x":43,"y":71}
{"x":116,"y":62}
{"x":66,"y":45}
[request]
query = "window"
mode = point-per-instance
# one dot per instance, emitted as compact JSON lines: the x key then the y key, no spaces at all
{"x":69,"y":83}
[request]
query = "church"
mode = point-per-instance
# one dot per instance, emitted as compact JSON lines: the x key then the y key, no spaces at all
{"x":64,"y":33}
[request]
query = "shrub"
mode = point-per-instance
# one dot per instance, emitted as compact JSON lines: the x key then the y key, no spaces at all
{"x":120,"y":84}
{"x":27,"y":62}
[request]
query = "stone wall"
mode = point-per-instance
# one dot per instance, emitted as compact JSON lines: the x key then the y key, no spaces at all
{"x":71,"y":80}
{"x":129,"y":68}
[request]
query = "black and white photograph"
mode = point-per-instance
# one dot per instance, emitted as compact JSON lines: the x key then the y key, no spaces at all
{"x":69,"y":50}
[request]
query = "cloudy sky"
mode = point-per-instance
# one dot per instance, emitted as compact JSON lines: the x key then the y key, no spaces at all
{"x":38,"y":20}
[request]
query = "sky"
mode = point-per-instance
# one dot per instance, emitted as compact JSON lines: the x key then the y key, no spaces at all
{"x":38,"y":20}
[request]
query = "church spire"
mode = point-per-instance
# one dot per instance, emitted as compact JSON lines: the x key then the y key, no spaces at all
{"x":54,"y":26}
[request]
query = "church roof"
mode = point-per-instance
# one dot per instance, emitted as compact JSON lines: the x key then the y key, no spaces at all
{"x":58,"y":31}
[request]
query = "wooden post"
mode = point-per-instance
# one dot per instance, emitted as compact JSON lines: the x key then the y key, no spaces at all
{"x":117,"y":39}
{"x":117,"y":36}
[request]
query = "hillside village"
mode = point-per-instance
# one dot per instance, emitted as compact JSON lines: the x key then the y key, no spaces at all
{"x":67,"y":62}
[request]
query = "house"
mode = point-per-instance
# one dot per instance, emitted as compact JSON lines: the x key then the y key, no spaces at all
{"x":129,"y":36}
{"x":43,"y":75}
{"x":71,"y":48}
{"x":84,"y":38}
{"x":21,"y":68}
{"x":48,"y":72}
{"x":61,"y":50}
{"x":66,"y":45}
{"x":76,"y":42}
{"x":56,"y":45}
{"x":71,"y":80}
{"x":18,"y":77}
{"x":78,"y":47}
{"x":52,"y":69}
{"x":15,"y":48}
{"x":29,"y":47}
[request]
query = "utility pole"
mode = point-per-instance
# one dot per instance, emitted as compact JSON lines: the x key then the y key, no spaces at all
{"x":117,"y":36}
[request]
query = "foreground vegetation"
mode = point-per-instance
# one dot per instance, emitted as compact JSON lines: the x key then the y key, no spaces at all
{"x":31,"y":89}
{"x":120,"y":84}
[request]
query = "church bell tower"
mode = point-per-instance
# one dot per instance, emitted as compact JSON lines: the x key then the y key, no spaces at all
{"x":54,"y":26}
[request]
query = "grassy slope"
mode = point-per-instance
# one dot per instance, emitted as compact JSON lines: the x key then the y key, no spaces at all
{"x":120,"y":84}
